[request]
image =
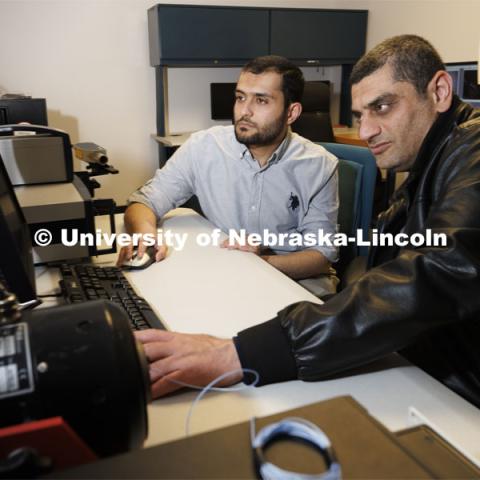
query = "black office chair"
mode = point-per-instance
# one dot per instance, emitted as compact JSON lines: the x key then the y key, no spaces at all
{"x":314,"y":123}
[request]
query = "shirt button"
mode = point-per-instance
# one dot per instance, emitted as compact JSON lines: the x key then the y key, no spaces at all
{"x":253,"y":208}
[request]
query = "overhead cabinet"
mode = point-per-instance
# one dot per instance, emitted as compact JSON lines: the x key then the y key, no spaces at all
{"x":318,"y":36}
{"x":182,"y":35}
{"x":208,"y":35}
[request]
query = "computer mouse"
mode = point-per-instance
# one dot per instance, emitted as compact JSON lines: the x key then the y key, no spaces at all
{"x":136,"y":263}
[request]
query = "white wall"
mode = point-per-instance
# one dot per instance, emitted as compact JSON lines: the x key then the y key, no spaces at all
{"x":451,"y":25}
{"x":89,"y":59}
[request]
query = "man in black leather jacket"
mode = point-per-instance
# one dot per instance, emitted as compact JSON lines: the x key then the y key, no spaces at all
{"x":421,"y":301}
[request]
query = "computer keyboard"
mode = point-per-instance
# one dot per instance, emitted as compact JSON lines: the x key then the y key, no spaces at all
{"x":83,"y":282}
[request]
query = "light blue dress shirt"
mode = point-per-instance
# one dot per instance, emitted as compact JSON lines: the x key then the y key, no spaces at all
{"x":296,"y":191}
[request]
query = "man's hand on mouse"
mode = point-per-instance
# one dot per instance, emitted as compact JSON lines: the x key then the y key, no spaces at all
{"x":126,"y":252}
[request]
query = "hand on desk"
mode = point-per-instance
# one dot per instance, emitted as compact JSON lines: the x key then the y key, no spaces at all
{"x":297,"y":265}
{"x":188,"y":358}
{"x":256,"y":249}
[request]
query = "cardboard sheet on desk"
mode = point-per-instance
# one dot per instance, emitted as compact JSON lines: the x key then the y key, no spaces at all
{"x":436,"y":454}
{"x":364,"y":448}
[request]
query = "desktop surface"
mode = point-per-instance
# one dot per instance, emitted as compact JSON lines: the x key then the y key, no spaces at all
{"x":219,"y":292}
{"x":208,"y":289}
{"x":341,"y":134}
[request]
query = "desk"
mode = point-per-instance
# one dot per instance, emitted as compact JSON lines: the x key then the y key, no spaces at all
{"x":344,"y":135}
{"x":210,"y":289}
{"x":216,"y":291}
{"x":173,"y":141}
{"x":341,"y":134}
{"x":348,"y":136}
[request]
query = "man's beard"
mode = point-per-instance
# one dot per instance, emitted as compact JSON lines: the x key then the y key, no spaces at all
{"x":264,"y":136}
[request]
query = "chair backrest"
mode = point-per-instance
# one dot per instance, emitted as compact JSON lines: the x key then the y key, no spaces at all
{"x":316,"y":126}
{"x":316,"y":96}
{"x":364,"y":208}
{"x":349,"y":195}
{"x":315,"y":123}
{"x":349,"y":191}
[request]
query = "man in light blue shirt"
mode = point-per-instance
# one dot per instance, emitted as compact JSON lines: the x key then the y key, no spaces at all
{"x":256,"y":175}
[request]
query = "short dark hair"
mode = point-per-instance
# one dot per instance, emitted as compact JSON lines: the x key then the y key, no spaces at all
{"x":293,"y":82}
{"x":411,"y":57}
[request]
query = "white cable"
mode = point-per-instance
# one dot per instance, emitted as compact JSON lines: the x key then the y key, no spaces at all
{"x":291,"y":426}
{"x":296,"y":428}
{"x":210,"y":387}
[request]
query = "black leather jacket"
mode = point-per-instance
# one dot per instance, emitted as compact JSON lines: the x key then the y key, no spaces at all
{"x":421,"y":301}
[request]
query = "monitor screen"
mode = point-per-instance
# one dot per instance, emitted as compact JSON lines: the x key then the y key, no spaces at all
{"x":16,"y":262}
{"x":471,"y":88}
{"x":465,"y":81}
{"x":455,"y":74}
{"x":222,"y":98}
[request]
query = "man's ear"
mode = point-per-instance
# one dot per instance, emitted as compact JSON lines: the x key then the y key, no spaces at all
{"x":294,"y":111}
{"x":441,"y":89}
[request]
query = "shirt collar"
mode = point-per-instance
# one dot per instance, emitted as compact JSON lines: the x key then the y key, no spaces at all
{"x":276,"y":155}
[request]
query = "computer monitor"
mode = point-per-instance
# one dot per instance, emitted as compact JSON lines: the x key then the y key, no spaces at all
{"x":16,"y":262}
{"x":465,"y":82}
{"x":471,"y":88}
{"x":222,"y":99}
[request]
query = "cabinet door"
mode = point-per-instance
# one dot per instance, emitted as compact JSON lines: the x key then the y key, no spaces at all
{"x":319,"y":36}
{"x":207,"y":35}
